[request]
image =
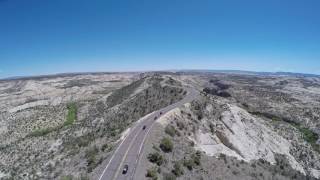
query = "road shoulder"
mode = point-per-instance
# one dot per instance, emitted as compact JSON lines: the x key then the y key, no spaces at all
{"x":152,"y":139}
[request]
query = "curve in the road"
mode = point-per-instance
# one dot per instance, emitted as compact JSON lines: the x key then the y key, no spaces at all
{"x":129,"y":150}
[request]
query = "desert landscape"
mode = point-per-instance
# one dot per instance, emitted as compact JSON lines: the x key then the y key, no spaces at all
{"x":234,"y":126}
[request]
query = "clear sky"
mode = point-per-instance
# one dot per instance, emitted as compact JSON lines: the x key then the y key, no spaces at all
{"x":53,"y":36}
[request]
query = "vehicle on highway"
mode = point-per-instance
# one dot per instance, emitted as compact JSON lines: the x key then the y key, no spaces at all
{"x":155,"y":118}
{"x":125,"y":169}
{"x":160,"y":112}
{"x":144,"y":127}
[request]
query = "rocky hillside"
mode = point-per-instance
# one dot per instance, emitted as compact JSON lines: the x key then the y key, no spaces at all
{"x":65,"y":127}
{"x":242,"y":127}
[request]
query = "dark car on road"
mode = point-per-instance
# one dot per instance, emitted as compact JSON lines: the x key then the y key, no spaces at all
{"x":155,"y":118}
{"x":125,"y":169}
{"x":144,"y":127}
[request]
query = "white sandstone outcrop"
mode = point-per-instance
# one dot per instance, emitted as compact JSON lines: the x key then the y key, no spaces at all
{"x":245,"y":137}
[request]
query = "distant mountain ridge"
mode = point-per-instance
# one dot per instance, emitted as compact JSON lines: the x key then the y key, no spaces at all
{"x":57,"y":75}
{"x":280,"y":73}
{"x":242,"y":72}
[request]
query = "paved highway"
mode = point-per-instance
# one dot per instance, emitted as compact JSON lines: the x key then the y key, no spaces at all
{"x":129,"y":150}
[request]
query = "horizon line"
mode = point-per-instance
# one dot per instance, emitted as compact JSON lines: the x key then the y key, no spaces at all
{"x":227,"y":71}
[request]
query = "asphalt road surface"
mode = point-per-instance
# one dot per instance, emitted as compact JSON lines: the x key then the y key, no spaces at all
{"x":129,"y":150}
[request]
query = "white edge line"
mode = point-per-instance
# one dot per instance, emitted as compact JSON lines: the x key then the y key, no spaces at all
{"x":139,"y":149}
{"x":138,"y":159}
{"x":125,"y":156}
{"x":139,"y":153}
{"x":115,"y":152}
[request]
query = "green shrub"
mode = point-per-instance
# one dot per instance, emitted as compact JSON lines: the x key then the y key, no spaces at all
{"x":191,"y":143}
{"x":169,"y":176}
{"x":224,"y":157}
{"x":177,"y":169}
{"x":155,"y":147}
{"x":180,"y":125}
{"x":156,"y":158}
{"x":196,"y":157}
{"x":83,"y":141}
{"x":84,"y":177}
{"x":188,"y":164}
{"x":90,"y":155}
{"x":211,"y":126}
{"x":152,"y":173}
{"x":195,"y":160}
{"x":170,"y":130}
{"x":69,"y":177}
{"x":104,"y":147}
{"x":72,"y":114}
{"x":41,"y":132}
{"x":166,"y":145}
{"x":309,"y":136}
{"x":71,"y":117}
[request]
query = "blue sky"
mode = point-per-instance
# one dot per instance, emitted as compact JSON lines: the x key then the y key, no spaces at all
{"x":53,"y":36}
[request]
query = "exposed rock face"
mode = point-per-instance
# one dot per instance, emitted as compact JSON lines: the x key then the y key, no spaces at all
{"x":38,"y":140}
{"x":241,"y":127}
{"x":245,"y":137}
{"x":287,"y":106}
{"x":258,"y":132}
{"x":218,"y":127}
